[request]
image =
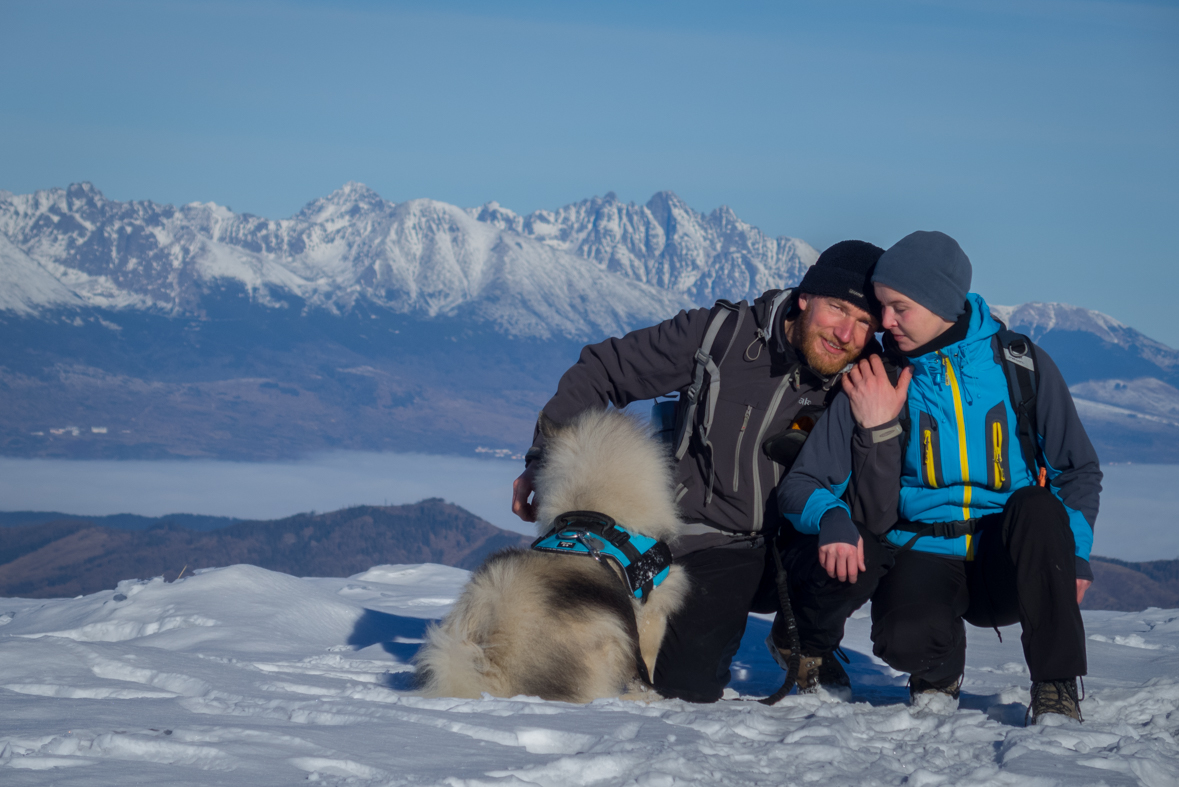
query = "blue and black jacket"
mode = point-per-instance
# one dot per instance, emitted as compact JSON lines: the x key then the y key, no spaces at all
{"x":959,"y":458}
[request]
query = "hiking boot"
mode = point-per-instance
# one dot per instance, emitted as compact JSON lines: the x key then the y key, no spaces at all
{"x":1053,"y":697}
{"x":816,"y":674}
{"x":924,"y":695}
{"x":824,"y":674}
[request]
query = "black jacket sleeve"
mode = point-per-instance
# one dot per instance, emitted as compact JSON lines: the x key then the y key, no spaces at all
{"x":844,"y":472}
{"x":1073,"y":469}
{"x":643,"y":364}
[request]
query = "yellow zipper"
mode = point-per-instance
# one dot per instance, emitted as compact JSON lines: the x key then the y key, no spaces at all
{"x":962,"y":455}
{"x":997,"y":439}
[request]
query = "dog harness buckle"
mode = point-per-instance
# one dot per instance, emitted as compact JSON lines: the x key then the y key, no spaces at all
{"x":644,"y":561}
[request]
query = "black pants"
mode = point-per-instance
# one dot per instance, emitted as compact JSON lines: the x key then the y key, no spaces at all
{"x":1023,"y":570}
{"x":703,"y":637}
{"x":822,"y":604}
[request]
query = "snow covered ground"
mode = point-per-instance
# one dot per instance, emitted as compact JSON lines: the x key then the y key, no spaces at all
{"x":243,"y":676}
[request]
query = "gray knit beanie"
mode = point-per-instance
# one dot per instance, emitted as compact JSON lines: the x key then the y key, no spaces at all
{"x":930,"y":268}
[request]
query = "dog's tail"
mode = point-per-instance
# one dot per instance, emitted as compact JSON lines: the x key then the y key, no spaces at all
{"x":461,"y":654}
{"x":451,"y":663}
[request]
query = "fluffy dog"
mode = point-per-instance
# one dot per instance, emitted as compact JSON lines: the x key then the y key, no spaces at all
{"x":558,"y":626}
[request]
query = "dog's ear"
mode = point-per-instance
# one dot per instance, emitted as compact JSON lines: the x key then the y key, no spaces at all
{"x":547,"y":426}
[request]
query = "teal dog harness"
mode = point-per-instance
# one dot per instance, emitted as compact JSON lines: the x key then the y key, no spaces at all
{"x":644,"y":561}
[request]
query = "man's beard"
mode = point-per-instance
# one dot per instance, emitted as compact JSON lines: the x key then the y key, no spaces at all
{"x":812,"y":348}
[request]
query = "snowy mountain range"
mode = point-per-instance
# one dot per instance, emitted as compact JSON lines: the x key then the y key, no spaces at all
{"x":140,"y":329}
{"x":591,"y":269}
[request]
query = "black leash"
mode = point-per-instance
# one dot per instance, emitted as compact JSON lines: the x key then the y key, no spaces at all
{"x":795,"y":658}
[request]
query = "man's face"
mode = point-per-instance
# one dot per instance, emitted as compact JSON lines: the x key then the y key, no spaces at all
{"x":911,"y":324}
{"x":831,"y":333}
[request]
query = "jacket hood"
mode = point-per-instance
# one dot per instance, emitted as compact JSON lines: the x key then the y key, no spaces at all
{"x":981,"y":328}
{"x":969,"y":357}
{"x":982,"y":325}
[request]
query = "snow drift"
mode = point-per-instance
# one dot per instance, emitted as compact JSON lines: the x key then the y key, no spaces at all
{"x":246,"y":676}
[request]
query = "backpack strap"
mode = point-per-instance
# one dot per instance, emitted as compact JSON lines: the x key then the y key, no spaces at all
{"x":921,"y":530}
{"x":706,"y":364}
{"x":1016,"y":354}
{"x":765,"y":326}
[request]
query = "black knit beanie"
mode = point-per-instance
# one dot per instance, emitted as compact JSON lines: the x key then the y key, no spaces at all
{"x":844,"y":271}
{"x":930,"y":268}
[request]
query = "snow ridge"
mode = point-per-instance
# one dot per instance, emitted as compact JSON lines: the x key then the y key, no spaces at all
{"x":1037,"y":318}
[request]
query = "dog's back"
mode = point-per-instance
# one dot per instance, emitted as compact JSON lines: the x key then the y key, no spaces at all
{"x":555,"y":626}
{"x":605,"y":461}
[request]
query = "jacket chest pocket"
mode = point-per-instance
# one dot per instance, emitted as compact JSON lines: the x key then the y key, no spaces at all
{"x":734,"y":432}
{"x":737,"y":450}
{"x":930,"y":448}
{"x":998,"y":441}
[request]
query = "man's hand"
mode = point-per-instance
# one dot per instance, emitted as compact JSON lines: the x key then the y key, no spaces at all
{"x":874,"y":400}
{"x":843,"y":561}
{"x":1082,"y":586}
{"x":521,"y":490}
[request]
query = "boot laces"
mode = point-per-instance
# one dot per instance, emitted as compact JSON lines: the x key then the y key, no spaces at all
{"x":919,"y":686}
{"x":1054,"y":696}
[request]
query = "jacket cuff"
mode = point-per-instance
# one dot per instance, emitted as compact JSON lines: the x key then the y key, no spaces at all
{"x":879,"y":434}
{"x":1084,"y":570}
{"x":836,"y":527}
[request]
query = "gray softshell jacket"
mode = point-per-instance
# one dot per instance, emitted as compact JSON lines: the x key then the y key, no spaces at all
{"x":763,"y":387}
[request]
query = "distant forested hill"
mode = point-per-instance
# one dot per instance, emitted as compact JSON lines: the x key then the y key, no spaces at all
{"x":1131,"y":587}
{"x":77,"y":555}
{"x":73,"y":557}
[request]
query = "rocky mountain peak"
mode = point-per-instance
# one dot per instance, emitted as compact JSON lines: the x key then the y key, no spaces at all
{"x":498,"y":216}
{"x":664,"y":205}
{"x":351,"y":200}
{"x":84,"y":192}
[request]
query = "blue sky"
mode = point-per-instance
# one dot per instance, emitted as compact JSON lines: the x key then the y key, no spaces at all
{"x":1044,"y":136}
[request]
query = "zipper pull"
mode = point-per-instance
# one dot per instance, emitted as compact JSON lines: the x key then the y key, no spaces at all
{"x":997,"y":432}
{"x":930,"y":467}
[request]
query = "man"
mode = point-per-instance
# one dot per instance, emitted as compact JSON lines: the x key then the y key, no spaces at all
{"x":774,"y":360}
{"x":990,"y":517}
